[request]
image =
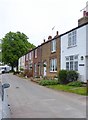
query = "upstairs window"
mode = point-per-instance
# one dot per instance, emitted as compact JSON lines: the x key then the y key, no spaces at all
{"x":53,"y":46}
{"x":72,"y":38}
{"x":30,"y":56}
{"x":26,"y":57}
{"x":35,"y":53}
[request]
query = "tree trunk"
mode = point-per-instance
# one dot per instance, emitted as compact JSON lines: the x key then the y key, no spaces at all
{"x":12,"y":68}
{"x":17,"y":65}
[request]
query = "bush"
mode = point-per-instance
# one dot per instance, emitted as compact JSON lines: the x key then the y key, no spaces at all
{"x":48,"y":82}
{"x":62,"y":77}
{"x":75,"y":83}
{"x":28,"y":73}
{"x":72,"y":75}
{"x":21,"y":69}
{"x":65,"y":76}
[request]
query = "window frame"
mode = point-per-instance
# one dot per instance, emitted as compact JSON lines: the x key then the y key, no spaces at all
{"x":53,"y":46}
{"x":72,"y":38}
{"x":35,"y":53}
{"x":53,"y":65}
{"x":72,"y":61}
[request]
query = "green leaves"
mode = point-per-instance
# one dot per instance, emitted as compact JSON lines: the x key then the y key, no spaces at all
{"x":48,"y":82}
{"x":14,"y":46}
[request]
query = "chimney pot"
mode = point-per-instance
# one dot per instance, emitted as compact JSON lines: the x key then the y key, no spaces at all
{"x":50,"y":37}
{"x":57,"y":33}
{"x":44,"y":40}
{"x":84,"y":13}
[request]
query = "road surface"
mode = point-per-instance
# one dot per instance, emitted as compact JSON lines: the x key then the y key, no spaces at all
{"x":29,"y":100}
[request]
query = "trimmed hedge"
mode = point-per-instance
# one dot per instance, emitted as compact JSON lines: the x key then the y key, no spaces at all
{"x":48,"y":82}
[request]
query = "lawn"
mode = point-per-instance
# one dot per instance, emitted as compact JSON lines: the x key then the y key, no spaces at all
{"x":66,"y":88}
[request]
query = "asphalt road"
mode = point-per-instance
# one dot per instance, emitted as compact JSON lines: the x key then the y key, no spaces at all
{"x":29,"y":100}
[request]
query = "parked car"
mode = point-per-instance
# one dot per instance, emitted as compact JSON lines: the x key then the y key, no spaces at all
{"x":4,"y":106}
{"x":4,"y":69}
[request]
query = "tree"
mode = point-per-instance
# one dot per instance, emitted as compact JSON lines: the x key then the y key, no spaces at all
{"x":14,"y":45}
{"x":0,"y":51}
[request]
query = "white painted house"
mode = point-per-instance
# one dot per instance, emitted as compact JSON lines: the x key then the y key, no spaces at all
{"x":74,"y":51}
{"x":22,"y":62}
{"x":74,"y":48}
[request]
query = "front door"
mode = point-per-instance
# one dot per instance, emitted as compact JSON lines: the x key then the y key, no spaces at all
{"x":44,"y":71}
{"x":44,"y":68}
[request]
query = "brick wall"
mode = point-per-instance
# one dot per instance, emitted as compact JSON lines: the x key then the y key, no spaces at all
{"x":37,"y":61}
{"x":47,"y":55}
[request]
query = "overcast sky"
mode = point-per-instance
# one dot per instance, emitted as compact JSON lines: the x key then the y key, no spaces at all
{"x":36,"y":18}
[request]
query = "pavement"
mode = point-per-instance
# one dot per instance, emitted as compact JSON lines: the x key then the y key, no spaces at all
{"x":4,"y":108}
{"x":30,"y":100}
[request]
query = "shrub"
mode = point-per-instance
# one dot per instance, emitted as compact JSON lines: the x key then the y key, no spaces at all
{"x":65,"y":76}
{"x":75,"y":83}
{"x":72,"y":75}
{"x":21,"y":69}
{"x":28,"y":73}
{"x":48,"y":82}
{"x":62,"y":77}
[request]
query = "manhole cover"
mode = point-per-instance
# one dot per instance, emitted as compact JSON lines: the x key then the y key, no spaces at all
{"x":17,"y":87}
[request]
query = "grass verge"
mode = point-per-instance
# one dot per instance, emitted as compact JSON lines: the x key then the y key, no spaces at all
{"x":66,"y":88}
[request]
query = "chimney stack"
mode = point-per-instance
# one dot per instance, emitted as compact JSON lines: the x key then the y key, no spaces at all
{"x":84,"y":19}
{"x":85,"y":13}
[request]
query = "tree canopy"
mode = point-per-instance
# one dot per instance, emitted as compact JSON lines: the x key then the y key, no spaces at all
{"x":14,"y":45}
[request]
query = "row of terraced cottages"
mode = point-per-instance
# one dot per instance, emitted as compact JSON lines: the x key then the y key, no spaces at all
{"x":43,"y":60}
{"x":66,"y":51}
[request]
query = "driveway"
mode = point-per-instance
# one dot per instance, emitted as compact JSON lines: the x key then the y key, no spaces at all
{"x":29,"y":100}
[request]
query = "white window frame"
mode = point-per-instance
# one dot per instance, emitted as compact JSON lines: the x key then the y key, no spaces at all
{"x":67,"y":65}
{"x":26,"y":57}
{"x":72,"y":62}
{"x":30,"y":56}
{"x":53,"y":65}
{"x":35,"y":53}
{"x":53,"y":46}
{"x":72,"y":38}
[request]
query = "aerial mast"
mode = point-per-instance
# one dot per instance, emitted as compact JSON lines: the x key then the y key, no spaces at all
{"x":85,"y":10}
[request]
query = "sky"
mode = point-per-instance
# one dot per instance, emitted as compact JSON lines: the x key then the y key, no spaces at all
{"x":36,"y":18}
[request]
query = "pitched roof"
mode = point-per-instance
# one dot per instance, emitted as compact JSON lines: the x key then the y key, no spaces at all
{"x":58,"y":36}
